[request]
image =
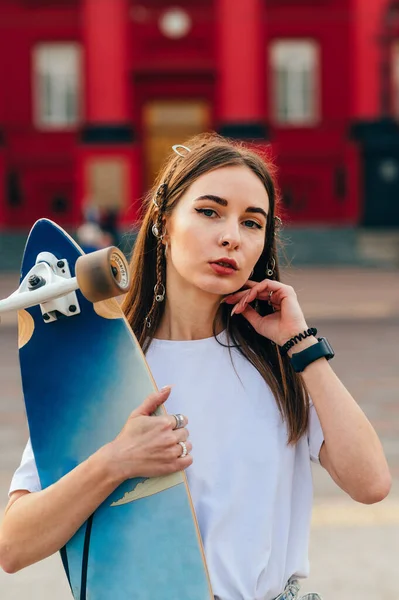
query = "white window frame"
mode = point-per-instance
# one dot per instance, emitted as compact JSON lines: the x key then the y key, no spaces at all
{"x":57,"y":80}
{"x":295,"y":82}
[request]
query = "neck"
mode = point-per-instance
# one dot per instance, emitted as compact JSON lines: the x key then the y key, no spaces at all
{"x":189,"y":313}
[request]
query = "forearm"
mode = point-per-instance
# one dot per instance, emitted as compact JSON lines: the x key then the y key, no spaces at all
{"x":355,"y":455}
{"x":37,"y":525}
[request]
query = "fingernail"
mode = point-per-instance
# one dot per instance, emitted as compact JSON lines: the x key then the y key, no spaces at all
{"x":234,"y":310}
{"x":221,"y":302}
{"x":165,"y":388}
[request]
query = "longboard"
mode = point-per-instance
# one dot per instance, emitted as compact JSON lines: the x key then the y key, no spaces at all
{"x":82,"y":375}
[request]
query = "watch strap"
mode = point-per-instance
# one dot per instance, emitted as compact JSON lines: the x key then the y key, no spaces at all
{"x":300,"y":360}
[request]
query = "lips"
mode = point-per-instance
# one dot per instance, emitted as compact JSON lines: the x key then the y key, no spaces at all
{"x":229,"y":263}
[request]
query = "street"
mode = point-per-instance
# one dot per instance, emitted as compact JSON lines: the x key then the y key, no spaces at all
{"x":354,"y":548}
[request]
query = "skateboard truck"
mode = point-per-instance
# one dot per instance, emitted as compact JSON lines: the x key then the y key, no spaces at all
{"x":99,"y":275}
{"x":48,"y":283}
{"x":58,"y":272}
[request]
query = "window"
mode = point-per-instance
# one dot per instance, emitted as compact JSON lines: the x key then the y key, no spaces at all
{"x":57,"y":85}
{"x":295,"y":82}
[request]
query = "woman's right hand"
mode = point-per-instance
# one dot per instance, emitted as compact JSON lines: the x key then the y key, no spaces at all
{"x":148,"y":445}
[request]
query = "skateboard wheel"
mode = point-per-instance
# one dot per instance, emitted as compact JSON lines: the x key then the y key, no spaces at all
{"x":103,"y":274}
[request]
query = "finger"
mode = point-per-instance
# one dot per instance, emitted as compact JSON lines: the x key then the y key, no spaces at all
{"x":233,"y":298}
{"x":179,"y":449}
{"x":172,"y":421}
{"x":254,"y":289}
{"x":183,"y":463}
{"x":239,"y":297}
{"x":152,"y":402}
{"x":253,"y":317}
{"x":276,"y":297}
{"x":181,"y":435}
{"x":262,"y":290}
{"x":250,"y":296}
{"x":275,"y":300}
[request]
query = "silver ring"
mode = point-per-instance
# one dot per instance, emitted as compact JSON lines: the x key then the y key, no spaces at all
{"x":175,"y":149}
{"x":270,"y":297}
{"x":179,"y":421}
{"x":185,"y":451}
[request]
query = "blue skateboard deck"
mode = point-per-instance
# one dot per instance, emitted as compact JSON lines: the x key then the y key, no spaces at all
{"x":82,"y":376}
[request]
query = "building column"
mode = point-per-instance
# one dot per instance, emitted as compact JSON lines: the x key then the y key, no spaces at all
{"x":242,"y":68}
{"x":107,"y":164}
{"x":105,"y":38}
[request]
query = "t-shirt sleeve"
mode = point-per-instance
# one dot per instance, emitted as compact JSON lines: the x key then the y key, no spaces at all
{"x":26,"y":477}
{"x":315,"y":434}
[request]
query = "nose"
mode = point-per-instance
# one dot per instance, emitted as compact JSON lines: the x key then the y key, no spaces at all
{"x":231,"y":238}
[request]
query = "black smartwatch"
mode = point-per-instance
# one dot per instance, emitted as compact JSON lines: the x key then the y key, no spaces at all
{"x":300,"y":360}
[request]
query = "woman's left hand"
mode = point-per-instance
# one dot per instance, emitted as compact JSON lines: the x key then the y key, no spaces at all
{"x":287,"y":320}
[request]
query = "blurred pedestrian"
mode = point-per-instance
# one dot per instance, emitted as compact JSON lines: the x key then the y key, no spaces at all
{"x":108,"y":222}
{"x":98,"y":228}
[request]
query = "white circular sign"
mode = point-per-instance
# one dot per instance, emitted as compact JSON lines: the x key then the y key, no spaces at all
{"x":175,"y":23}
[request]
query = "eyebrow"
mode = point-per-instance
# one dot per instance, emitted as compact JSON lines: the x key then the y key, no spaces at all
{"x":223,"y":202}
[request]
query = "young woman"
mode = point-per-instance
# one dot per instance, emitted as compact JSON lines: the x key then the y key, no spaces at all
{"x":215,"y":321}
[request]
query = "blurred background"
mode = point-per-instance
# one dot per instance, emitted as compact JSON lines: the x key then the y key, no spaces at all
{"x":93,"y":94}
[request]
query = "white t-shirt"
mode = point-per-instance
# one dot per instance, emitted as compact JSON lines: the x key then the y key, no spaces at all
{"x":251,"y":491}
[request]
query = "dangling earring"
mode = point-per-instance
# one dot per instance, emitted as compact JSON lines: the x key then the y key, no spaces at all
{"x":159,"y":291}
{"x":270,"y":271}
{"x":155,"y":232}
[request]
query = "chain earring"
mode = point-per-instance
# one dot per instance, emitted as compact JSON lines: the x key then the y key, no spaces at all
{"x":270,"y":271}
{"x":158,"y":231}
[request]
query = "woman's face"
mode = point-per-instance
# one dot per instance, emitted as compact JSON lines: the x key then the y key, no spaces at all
{"x":216,"y":233}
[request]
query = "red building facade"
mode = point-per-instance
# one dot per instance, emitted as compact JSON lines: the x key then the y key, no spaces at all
{"x":95,"y":92}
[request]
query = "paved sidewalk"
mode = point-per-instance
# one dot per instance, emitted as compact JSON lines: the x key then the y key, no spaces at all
{"x":354,"y":548}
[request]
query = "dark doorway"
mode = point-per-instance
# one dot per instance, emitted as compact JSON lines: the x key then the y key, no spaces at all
{"x":381,"y":180}
{"x":379,"y":146}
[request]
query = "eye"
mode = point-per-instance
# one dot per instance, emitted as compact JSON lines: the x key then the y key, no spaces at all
{"x":207,"y":212}
{"x":252,"y":224}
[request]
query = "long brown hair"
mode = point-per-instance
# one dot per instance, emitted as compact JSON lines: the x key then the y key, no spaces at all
{"x":148,"y":268}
